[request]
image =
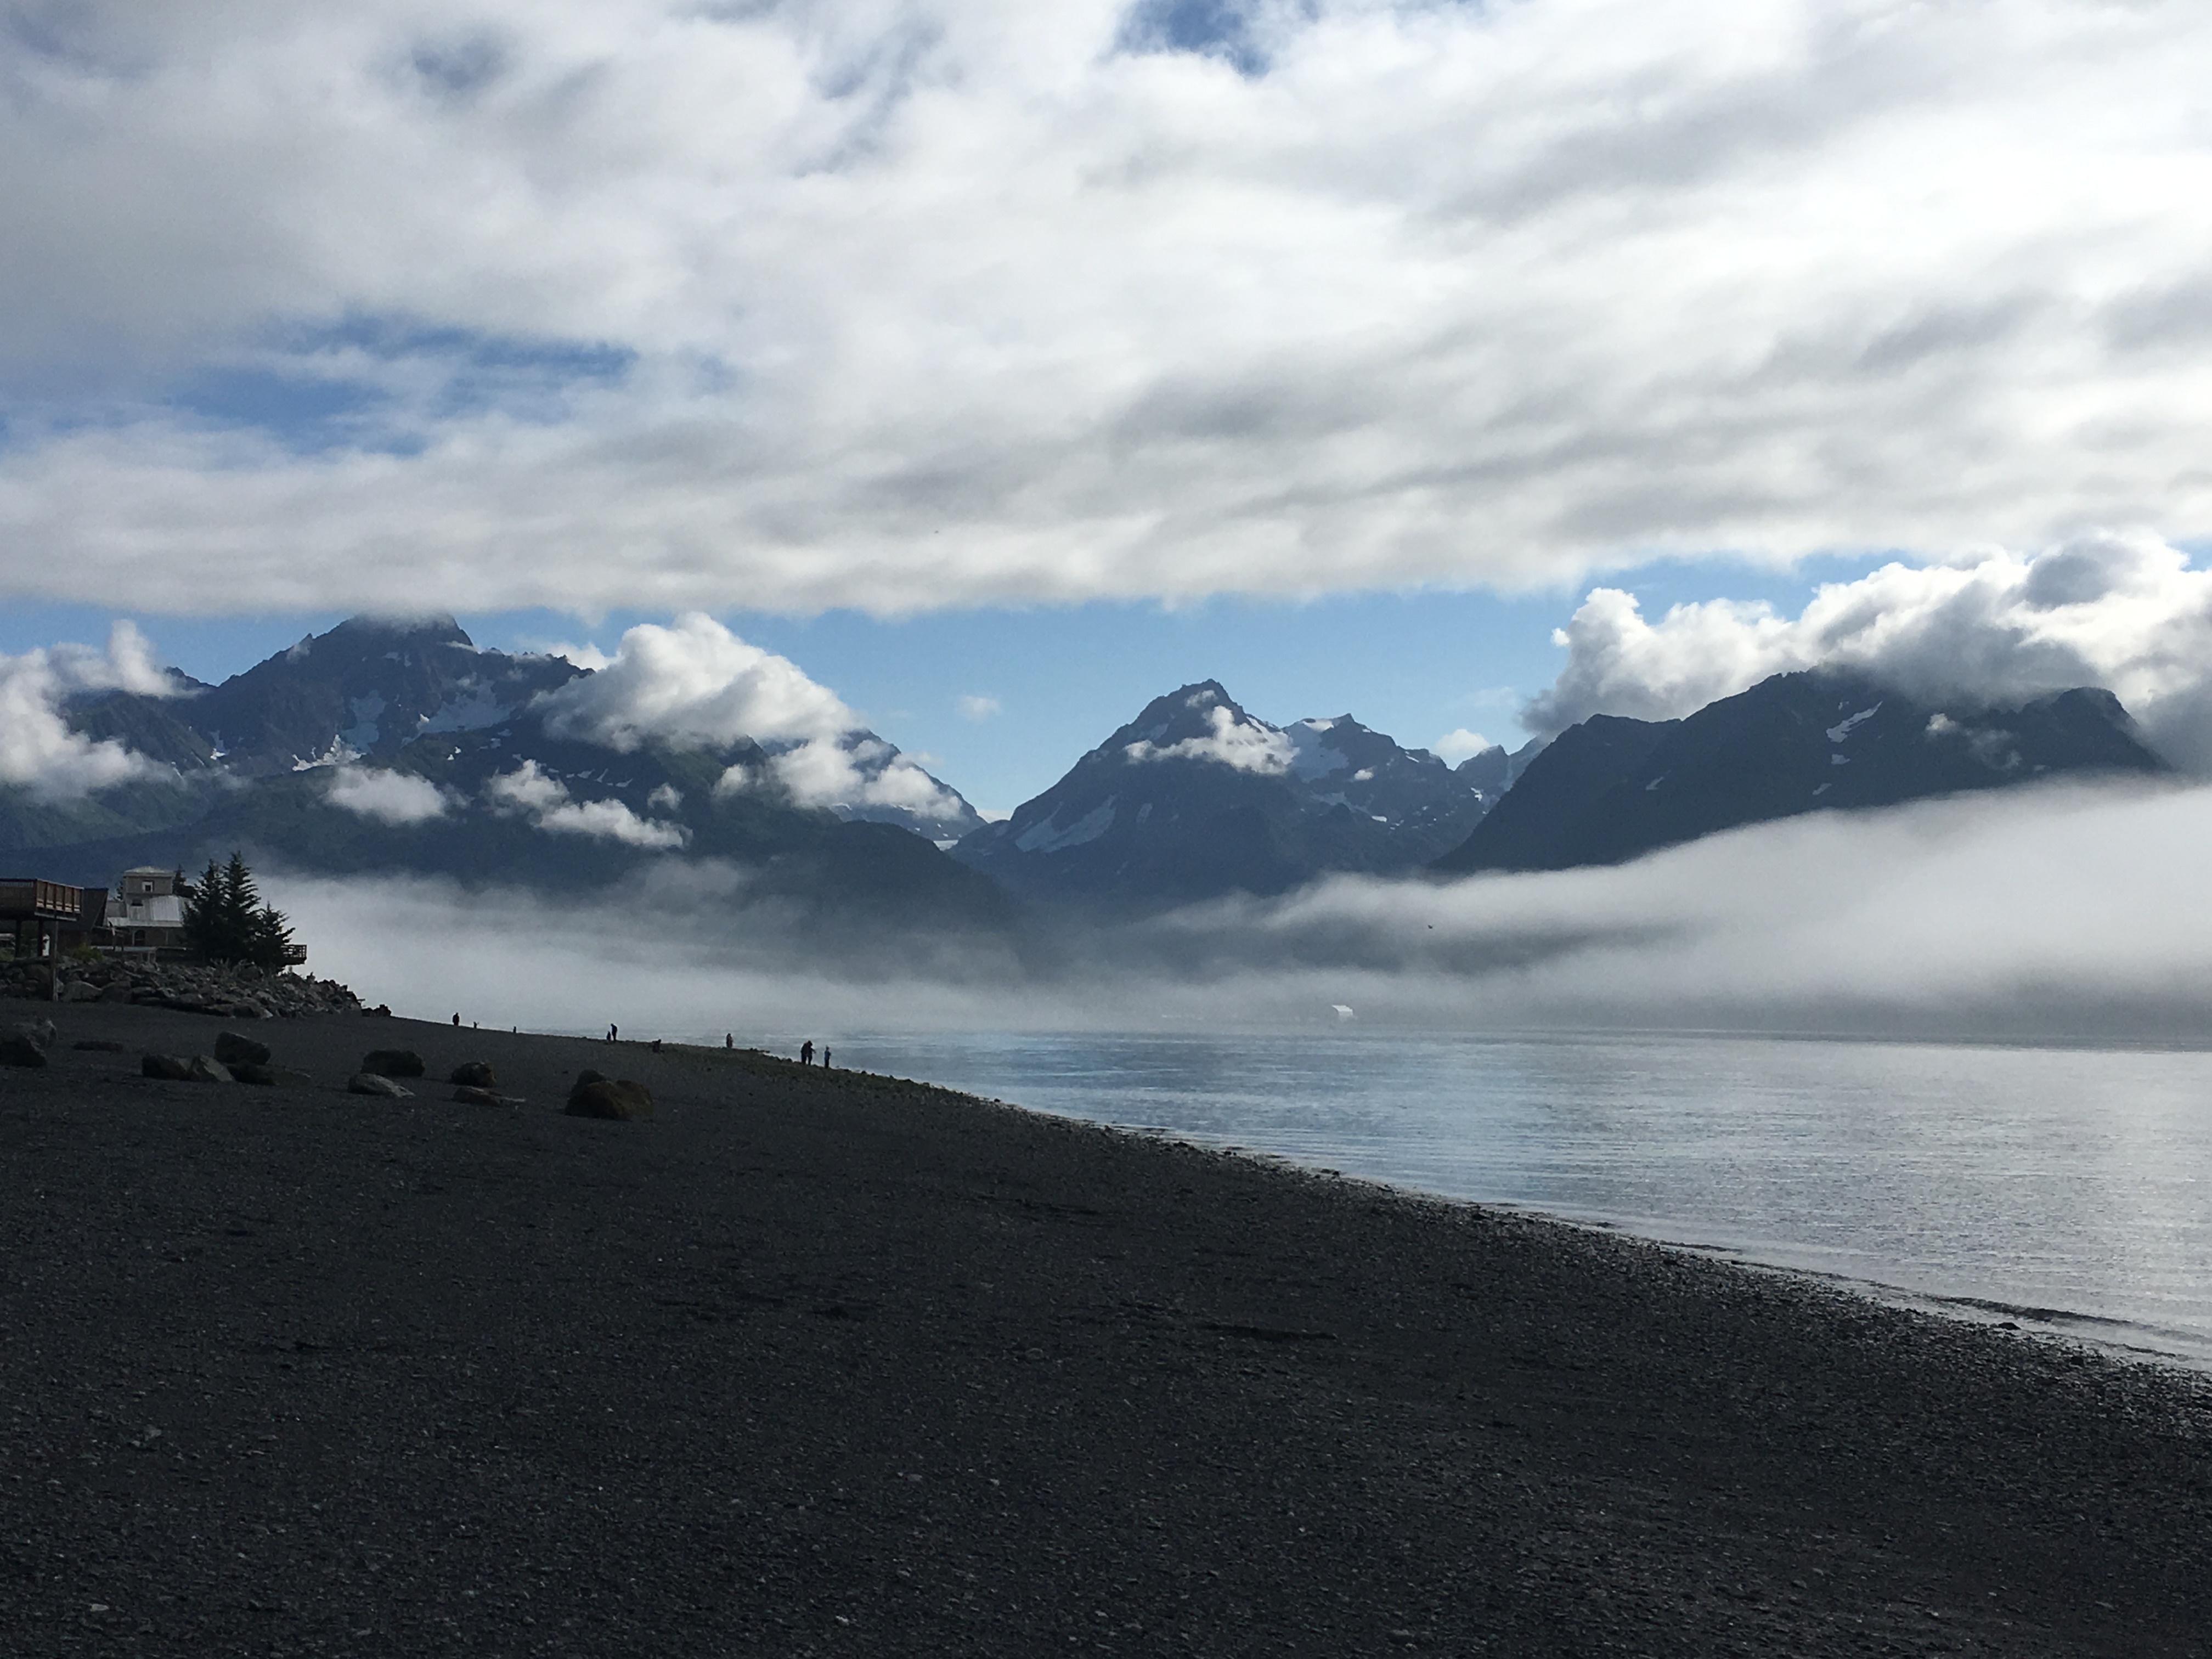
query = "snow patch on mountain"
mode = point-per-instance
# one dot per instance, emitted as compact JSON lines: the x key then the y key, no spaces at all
{"x":1050,"y":837}
{"x":479,"y":711}
{"x":1311,"y":757}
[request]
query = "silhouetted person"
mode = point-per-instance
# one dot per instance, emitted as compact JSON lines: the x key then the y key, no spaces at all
{"x":656,"y":1045}
{"x":611,"y":1032}
{"x":825,"y":1056}
{"x":457,"y":1022}
{"x":729,"y":1039}
{"x":806,"y":1052}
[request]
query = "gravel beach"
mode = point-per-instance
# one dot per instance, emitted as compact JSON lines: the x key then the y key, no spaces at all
{"x":829,"y":1364}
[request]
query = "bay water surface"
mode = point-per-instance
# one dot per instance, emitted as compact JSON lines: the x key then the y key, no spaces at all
{"x":2065,"y":1189}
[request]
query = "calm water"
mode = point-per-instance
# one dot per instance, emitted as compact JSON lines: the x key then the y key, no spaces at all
{"x":2072,"y":1182}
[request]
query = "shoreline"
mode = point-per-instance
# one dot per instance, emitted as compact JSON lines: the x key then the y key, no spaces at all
{"x":845,"y":1364}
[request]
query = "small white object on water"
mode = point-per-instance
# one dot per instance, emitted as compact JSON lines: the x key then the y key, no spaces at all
{"x":1343,"y":1012}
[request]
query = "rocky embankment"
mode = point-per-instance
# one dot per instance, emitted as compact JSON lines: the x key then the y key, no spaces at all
{"x":243,"y":992}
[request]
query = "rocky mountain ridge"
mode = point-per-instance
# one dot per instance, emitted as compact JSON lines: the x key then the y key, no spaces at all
{"x":1612,"y":788}
{"x":386,"y":746}
{"x":1197,"y":796}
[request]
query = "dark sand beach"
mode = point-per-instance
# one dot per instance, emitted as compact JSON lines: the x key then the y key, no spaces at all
{"x":828,"y":1365}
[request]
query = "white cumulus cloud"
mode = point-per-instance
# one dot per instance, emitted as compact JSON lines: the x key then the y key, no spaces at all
{"x":386,"y":796}
{"x":1247,"y":745}
{"x":38,"y":750}
{"x":2127,"y":612}
{"x":696,"y":683}
{"x":1459,"y":743}
{"x":546,"y":800}
{"x":656,"y":304}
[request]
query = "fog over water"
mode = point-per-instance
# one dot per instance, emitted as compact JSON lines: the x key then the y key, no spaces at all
{"x":2006,"y":1096}
{"x":2067,"y":912}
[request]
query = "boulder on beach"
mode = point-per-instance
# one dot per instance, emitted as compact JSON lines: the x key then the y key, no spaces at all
{"x":255,"y":1071}
{"x":393,"y":1062}
{"x":43,"y":1032}
{"x":469,"y":1094}
{"x":375,"y":1083}
{"x":21,"y":1051}
{"x":618,"y":1098}
{"x":121,"y":991}
{"x":233,"y":1049}
{"x":80,"y":990}
{"x":474,"y":1074}
{"x":206,"y":1068}
{"x":170,"y":1068}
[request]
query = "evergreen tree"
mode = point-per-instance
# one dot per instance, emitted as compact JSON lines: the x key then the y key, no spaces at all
{"x":225,"y":919}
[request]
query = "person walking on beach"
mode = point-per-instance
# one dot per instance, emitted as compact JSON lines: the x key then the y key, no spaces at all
{"x":611,"y":1029}
{"x":806,"y":1052}
{"x":825,"y":1056}
{"x":729,"y":1039}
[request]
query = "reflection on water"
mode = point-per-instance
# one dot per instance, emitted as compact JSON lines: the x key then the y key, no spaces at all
{"x":2072,"y":1180}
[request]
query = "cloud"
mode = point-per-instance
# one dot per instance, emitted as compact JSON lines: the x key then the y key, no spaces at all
{"x":977,"y":709}
{"x":1458,"y":745}
{"x":38,"y":750}
{"x":646,"y":304}
{"x":2125,"y":612}
{"x":697,"y":683}
{"x":1246,"y":745}
{"x":389,"y":797}
{"x":1906,"y":922}
{"x":545,"y":800}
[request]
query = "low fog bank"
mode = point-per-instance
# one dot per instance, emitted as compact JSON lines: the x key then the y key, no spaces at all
{"x":2063,"y":912}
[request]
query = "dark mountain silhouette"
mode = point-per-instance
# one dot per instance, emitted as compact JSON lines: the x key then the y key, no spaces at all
{"x":1611,"y":789}
{"x":1196,"y":797}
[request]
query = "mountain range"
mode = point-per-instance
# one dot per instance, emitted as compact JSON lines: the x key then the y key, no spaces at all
{"x":404,"y":747}
{"x":1197,"y":796}
{"x":1611,"y":789}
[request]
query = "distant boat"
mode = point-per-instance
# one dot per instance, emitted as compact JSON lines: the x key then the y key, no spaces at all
{"x":1342,"y":1012}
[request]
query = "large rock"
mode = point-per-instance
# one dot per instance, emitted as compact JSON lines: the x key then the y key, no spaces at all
{"x":393,"y":1062}
{"x":168,"y":1067}
{"x":469,"y":1094}
{"x":43,"y":1032}
{"x":375,"y":1083}
{"x":233,"y":1049}
{"x":121,"y":991}
{"x":618,"y":1098}
{"x":80,"y":990}
{"x":206,"y":1068}
{"x":474,"y":1074}
{"x":21,"y":1051}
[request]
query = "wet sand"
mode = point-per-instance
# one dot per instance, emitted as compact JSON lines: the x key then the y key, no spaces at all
{"x":829,"y":1364}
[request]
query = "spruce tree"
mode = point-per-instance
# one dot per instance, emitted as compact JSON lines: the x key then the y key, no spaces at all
{"x":225,"y":921}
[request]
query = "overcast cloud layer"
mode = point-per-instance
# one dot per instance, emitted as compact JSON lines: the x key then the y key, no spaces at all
{"x":904,"y":303}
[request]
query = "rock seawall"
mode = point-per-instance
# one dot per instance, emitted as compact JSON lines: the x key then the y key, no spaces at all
{"x":239,"y":993}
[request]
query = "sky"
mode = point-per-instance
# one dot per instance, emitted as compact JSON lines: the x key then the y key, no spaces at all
{"x":1004,"y":366}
